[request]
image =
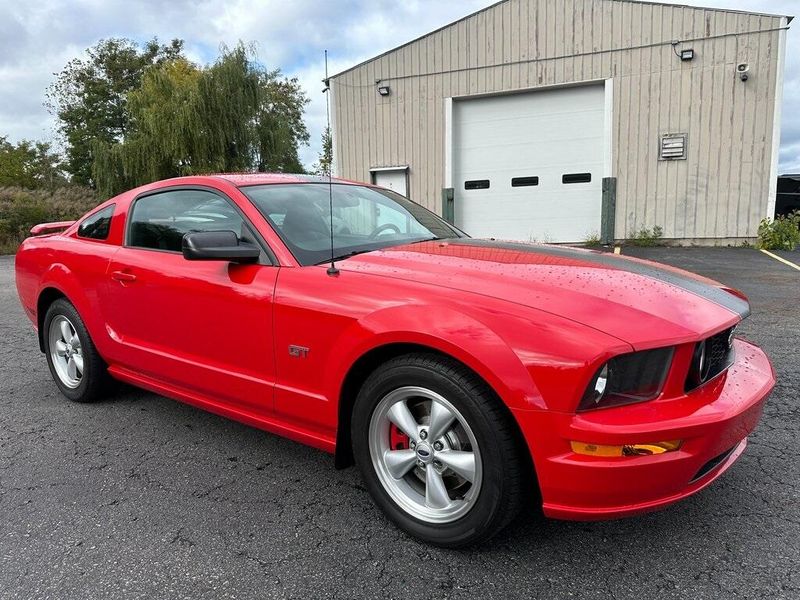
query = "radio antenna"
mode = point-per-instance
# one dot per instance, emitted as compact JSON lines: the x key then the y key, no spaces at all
{"x":332,"y":270}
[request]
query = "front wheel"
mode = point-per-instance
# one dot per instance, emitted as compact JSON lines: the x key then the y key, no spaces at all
{"x":437,"y":451}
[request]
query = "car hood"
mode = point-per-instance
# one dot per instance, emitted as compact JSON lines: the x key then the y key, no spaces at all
{"x":642,"y":303}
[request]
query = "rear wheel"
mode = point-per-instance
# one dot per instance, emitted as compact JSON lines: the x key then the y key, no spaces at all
{"x":436,"y":450}
{"x":75,"y":365}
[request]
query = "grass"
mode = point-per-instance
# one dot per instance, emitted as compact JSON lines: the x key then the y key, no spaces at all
{"x":647,"y":237}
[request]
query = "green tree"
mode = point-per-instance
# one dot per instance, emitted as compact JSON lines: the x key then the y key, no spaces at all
{"x":323,"y":164}
{"x":89,"y":96}
{"x":29,"y":165}
{"x":234,"y":115}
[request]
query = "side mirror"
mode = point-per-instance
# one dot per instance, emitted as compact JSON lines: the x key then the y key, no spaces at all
{"x":218,"y":245}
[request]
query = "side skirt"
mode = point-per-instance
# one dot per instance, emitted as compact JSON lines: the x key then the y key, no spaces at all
{"x":272,"y":425}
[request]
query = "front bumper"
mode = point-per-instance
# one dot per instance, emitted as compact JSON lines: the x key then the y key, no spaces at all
{"x":713,"y":422}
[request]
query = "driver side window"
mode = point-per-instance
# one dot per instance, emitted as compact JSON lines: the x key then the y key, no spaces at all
{"x":159,"y":221}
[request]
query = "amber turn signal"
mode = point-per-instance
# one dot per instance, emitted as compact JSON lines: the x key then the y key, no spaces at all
{"x":625,"y":450}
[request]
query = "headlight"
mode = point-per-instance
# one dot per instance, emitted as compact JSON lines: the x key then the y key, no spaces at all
{"x":628,"y":378}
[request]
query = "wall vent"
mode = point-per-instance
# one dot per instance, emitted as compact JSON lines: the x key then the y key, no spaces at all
{"x":672,"y":147}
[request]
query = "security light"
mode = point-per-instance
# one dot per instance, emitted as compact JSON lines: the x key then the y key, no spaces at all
{"x":743,"y":69}
{"x":384,"y":90}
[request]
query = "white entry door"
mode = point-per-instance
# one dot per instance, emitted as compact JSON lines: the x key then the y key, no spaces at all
{"x":529,"y":166}
{"x":393,"y":178}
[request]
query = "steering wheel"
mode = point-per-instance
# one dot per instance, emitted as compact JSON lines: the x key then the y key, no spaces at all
{"x":381,"y":228}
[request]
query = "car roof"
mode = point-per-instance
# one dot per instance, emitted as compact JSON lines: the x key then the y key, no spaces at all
{"x":245,"y":179}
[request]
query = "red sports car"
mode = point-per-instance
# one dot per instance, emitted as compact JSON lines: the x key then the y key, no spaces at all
{"x":464,"y":377}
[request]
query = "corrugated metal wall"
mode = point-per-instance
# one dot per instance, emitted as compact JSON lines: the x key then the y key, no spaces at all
{"x":721,"y":191}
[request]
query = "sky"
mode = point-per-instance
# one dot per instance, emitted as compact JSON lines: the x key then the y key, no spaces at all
{"x":38,"y":38}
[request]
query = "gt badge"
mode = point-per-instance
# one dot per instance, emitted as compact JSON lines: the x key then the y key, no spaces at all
{"x":298,"y":351}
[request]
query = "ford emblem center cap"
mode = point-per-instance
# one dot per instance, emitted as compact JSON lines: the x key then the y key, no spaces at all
{"x":424,"y":452}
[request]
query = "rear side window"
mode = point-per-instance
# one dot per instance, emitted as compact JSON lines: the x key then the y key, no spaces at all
{"x":160,"y":221}
{"x":96,"y":226}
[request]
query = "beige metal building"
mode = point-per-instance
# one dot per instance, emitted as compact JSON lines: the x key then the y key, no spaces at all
{"x":560,"y":120}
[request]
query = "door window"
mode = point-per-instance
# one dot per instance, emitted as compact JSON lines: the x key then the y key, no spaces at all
{"x":160,"y":221}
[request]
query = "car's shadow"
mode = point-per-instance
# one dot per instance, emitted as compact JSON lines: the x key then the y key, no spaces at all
{"x":313,"y":476}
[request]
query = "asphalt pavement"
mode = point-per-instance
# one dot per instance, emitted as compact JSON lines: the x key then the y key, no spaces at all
{"x":143,"y":497}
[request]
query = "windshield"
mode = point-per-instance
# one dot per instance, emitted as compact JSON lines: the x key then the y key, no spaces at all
{"x":364,"y":219}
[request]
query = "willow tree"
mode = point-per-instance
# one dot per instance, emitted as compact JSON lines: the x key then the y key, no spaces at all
{"x":233,"y":115}
{"x":88,"y":96}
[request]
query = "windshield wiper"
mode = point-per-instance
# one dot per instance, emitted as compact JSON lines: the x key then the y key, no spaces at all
{"x":365,"y":250}
{"x":346,"y":255}
{"x":430,"y":239}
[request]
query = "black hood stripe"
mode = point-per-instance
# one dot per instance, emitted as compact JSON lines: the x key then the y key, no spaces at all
{"x":709,"y":292}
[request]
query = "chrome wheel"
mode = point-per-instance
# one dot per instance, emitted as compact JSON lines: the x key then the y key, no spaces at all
{"x":430,"y":464}
{"x":66,"y":352}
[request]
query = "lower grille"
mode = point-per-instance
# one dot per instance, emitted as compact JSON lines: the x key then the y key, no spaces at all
{"x":712,"y":464}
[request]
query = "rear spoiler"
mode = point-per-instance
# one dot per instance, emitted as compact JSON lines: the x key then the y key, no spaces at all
{"x":44,"y":228}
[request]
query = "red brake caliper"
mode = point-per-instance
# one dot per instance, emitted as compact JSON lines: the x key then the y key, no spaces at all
{"x":397,"y":439}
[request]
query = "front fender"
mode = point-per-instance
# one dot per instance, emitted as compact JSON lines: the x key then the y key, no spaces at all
{"x":445,"y":329}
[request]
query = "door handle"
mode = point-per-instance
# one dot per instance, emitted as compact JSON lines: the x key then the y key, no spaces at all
{"x":123,"y":277}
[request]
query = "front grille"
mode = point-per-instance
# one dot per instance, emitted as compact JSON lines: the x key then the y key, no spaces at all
{"x":719,"y":351}
{"x":718,"y":356}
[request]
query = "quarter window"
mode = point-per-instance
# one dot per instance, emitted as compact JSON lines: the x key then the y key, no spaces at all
{"x":97,"y":225}
{"x":161,"y":220}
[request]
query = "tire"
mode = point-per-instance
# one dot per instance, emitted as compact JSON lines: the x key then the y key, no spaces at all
{"x":77,"y":369}
{"x":482,"y":493}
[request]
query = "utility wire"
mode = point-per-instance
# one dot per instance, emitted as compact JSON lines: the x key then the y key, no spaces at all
{"x":671,"y":42}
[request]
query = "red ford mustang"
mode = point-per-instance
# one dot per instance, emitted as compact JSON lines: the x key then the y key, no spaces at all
{"x":459,"y":374}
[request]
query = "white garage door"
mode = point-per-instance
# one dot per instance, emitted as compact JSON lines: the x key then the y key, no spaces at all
{"x":392,"y":178}
{"x":529,"y":166}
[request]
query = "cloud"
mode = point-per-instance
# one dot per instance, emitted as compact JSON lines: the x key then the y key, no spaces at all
{"x":38,"y":38}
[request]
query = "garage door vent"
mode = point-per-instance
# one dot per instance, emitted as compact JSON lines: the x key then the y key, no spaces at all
{"x":476,"y":184}
{"x":576,"y":178}
{"x":673,"y":146}
{"x":524,"y":181}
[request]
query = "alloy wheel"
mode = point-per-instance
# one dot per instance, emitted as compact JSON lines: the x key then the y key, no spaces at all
{"x":66,"y":351}
{"x":425,"y":454}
